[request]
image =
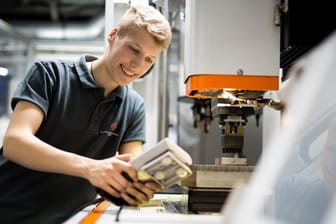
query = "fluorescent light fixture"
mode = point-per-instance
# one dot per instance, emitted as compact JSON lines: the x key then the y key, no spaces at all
{"x":3,"y":71}
{"x":132,"y":2}
{"x":139,"y":2}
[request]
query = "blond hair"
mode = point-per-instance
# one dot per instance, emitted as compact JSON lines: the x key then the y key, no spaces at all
{"x":149,"y":19}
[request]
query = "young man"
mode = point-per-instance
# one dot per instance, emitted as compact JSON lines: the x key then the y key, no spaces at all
{"x":76,"y":124}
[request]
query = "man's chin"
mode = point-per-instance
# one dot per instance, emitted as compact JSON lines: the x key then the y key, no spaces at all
{"x":124,"y":83}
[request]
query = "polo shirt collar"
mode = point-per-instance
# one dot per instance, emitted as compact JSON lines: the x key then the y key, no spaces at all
{"x":88,"y":81}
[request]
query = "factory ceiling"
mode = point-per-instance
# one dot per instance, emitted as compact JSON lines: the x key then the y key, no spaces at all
{"x":51,"y":19}
{"x":50,"y":11}
{"x":24,"y":23}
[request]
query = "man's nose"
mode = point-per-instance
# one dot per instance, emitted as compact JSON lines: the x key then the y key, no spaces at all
{"x":137,"y":62}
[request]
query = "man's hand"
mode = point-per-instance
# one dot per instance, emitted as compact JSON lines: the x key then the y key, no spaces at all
{"x":107,"y":175}
{"x":140,"y":193}
{"x":117,"y":177}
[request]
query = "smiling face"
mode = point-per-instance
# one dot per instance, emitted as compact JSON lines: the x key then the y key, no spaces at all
{"x":129,"y":56}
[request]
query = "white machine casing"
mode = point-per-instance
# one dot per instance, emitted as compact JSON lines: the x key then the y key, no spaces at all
{"x":295,"y":178}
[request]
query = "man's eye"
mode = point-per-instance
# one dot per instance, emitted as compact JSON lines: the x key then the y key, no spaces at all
{"x":149,"y":60}
{"x":134,"y":49}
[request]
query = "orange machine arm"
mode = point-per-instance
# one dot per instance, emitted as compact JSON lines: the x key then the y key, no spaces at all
{"x":197,"y":84}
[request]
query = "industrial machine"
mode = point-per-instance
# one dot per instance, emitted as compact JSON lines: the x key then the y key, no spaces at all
{"x":231,"y":62}
{"x":233,"y":98}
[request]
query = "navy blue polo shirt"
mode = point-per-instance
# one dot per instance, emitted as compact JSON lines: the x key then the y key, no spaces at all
{"x":78,"y":118}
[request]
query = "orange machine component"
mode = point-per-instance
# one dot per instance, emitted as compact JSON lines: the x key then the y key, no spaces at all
{"x":198,"y":85}
{"x":95,"y":214}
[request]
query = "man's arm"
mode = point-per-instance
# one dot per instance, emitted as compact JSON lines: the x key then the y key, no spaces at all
{"x":23,"y":147}
{"x":133,"y":148}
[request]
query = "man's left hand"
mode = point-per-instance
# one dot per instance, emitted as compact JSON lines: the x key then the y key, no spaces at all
{"x":141,"y":192}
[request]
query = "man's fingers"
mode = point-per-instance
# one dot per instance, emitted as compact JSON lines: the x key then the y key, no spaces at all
{"x":154,"y":186}
{"x":119,"y":185}
{"x":110,"y":190}
{"x":130,"y":200}
{"x":148,"y":192}
{"x":140,"y":196}
{"x":124,"y":157}
{"x":127,"y":170}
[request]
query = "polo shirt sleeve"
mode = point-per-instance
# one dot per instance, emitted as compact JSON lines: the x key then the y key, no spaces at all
{"x":36,"y":88}
{"x":136,"y":125}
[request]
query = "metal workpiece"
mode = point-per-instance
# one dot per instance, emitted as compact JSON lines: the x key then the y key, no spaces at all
{"x":210,"y":185}
{"x":217,"y":176}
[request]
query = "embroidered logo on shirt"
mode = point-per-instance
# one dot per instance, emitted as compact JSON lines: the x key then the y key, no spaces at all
{"x":113,"y":128}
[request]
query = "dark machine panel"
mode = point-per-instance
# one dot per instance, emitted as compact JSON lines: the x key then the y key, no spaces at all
{"x":304,"y":24}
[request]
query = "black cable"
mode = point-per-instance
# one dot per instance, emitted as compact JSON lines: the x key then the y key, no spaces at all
{"x":118,"y":213}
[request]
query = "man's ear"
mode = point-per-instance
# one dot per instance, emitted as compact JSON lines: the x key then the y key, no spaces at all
{"x":112,"y":35}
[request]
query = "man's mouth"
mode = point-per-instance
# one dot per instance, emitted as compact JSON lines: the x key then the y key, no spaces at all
{"x":128,"y":73}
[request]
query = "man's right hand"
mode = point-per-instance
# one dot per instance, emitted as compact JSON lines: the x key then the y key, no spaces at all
{"x":107,"y":174}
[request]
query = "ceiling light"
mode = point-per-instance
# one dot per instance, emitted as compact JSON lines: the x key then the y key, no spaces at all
{"x":3,"y":71}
